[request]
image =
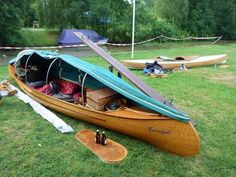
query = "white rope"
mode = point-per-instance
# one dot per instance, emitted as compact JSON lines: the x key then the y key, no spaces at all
{"x":114,"y":44}
{"x":47,"y":47}
{"x":137,"y":43}
{"x":170,"y":38}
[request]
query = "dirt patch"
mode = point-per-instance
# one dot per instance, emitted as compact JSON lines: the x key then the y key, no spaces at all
{"x":229,"y":79}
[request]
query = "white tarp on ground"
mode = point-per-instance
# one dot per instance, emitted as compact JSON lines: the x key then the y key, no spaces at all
{"x":44,"y":112}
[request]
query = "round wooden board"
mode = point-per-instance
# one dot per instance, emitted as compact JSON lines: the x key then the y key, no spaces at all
{"x":112,"y":152}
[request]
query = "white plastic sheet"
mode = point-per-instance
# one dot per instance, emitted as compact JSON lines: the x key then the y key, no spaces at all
{"x":44,"y":112}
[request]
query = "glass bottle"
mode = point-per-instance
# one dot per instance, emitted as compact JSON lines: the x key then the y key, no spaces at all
{"x":97,"y":137}
{"x":103,"y":138}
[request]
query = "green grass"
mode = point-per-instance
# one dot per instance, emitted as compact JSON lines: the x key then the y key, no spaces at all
{"x":207,"y":94}
{"x":32,"y":37}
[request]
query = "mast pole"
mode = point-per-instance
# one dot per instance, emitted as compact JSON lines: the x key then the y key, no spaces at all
{"x":133,"y":30}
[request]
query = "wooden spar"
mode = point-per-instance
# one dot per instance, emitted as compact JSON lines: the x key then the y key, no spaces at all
{"x":123,"y":70}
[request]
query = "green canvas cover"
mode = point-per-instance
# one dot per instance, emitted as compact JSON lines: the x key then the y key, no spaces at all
{"x":106,"y":78}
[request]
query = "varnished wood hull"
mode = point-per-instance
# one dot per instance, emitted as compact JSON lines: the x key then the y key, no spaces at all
{"x":171,"y":135}
{"x":200,"y":61}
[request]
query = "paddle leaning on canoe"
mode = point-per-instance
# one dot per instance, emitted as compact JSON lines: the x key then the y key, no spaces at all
{"x":100,"y":97}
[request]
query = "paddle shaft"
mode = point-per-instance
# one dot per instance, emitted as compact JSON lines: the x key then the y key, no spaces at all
{"x":122,"y":69}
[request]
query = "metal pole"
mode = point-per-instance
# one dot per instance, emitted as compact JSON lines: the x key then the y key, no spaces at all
{"x":132,"y":53}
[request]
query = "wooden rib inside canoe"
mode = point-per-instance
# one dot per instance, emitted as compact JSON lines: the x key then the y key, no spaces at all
{"x":112,"y":152}
{"x":171,"y":64}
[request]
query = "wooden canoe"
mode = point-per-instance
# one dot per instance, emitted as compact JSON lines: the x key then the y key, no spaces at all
{"x":171,"y":135}
{"x":171,"y":64}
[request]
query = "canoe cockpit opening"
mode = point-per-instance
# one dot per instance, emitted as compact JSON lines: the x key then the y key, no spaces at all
{"x":54,"y":77}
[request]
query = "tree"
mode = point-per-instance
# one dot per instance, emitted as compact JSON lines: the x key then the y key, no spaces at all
{"x":226,"y":19}
{"x":201,"y":19}
{"x":212,"y":17}
{"x":107,"y":17}
{"x":114,"y":18}
{"x":10,"y":23}
{"x":175,"y":12}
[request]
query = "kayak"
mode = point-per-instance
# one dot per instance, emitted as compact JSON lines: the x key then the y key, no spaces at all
{"x":178,"y":62}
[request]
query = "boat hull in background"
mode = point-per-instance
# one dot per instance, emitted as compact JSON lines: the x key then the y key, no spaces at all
{"x":172,"y":64}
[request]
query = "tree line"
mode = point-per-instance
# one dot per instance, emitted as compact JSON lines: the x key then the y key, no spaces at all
{"x":113,"y":18}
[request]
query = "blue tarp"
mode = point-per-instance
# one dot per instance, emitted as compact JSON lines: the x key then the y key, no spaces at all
{"x":68,"y":37}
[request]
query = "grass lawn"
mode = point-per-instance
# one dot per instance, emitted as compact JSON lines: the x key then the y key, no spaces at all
{"x":30,"y":146}
{"x":35,"y":37}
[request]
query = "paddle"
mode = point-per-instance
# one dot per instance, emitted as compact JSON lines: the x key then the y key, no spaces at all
{"x":123,"y":70}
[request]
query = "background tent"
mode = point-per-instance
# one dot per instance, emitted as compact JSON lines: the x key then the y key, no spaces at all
{"x":67,"y":37}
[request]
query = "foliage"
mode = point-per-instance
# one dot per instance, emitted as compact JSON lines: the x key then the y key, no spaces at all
{"x":226,"y":19}
{"x":28,"y":14}
{"x":175,"y":12}
{"x":38,"y":37}
{"x":10,"y":22}
{"x":210,"y":18}
{"x":114,"y":18}
{"x":30,"y":146}
{"x":14,"y":15}
{"x":109,"y":18}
